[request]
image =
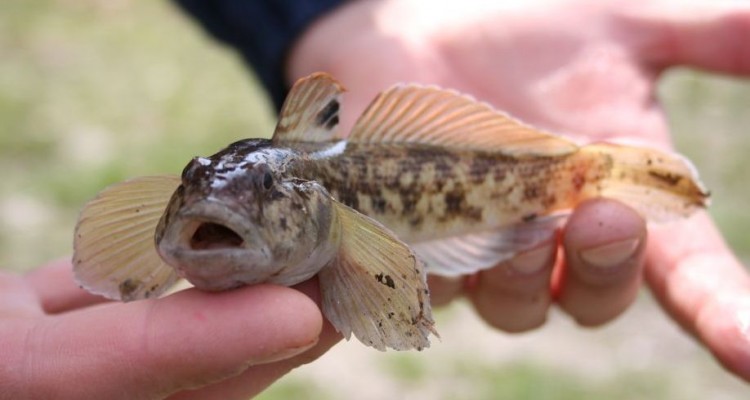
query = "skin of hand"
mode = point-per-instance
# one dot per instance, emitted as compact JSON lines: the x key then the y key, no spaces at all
{"x":586,"y":69}
{"x":60,"y":342}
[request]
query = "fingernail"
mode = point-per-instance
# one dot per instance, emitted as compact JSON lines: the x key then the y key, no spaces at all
{"x":611,"y":254}
{"x":533,"y":260}
{"x":284,"y":354}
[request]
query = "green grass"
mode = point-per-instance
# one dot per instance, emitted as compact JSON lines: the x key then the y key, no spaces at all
{"x":92,"y":94}
{"x":299,"y":389}
{"x":709,"y":117}
{"x":523,"y":381}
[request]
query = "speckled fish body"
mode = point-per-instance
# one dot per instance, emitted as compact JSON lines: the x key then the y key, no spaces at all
{"x":427,"y":177}
{"x":426,"y":192}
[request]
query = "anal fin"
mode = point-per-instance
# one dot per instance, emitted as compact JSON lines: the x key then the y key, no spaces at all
{"x":467,"y":254}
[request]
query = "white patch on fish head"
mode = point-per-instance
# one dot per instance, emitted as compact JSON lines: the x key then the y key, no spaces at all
{"x":332,"y":151}
{"x":229,"y":167}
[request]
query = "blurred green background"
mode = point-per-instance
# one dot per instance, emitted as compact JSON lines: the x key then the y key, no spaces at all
{"x":93,"y":92}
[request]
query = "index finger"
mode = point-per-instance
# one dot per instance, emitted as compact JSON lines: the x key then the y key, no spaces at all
{"x":703,"y":286}
{"x":57,"y":290}
{"x":152,"y":348}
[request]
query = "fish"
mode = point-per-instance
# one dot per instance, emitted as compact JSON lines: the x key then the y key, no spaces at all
{"x":427,"y":180}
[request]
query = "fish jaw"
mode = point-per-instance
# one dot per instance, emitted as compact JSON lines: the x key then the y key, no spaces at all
{"x":214,"y":248}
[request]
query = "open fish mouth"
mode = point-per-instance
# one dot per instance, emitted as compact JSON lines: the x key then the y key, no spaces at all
{"x":210,"y":247}
{"x":209,"y":225}
{"x":212,"y":236}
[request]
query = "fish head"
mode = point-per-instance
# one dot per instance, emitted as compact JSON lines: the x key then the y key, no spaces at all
{"x":238,"y":218}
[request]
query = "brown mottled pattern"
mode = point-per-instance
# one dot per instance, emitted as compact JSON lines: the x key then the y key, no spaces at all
{"x":422,"y":191}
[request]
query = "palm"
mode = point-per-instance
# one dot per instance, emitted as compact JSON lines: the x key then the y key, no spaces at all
{"x":580,"y":68}
{"x":545,"y":70}
{"x":561,"y":79}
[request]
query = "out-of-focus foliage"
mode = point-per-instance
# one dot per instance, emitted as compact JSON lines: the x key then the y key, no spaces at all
{"x":93,"y":92}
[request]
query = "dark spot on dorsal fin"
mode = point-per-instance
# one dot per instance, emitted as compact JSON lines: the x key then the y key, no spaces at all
{"x":328,"y":117}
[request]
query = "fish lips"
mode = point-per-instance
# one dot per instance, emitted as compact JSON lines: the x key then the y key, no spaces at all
{"x":215,"y":247}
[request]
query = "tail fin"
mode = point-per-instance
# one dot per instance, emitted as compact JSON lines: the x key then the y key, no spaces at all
{"x":662,"y":186}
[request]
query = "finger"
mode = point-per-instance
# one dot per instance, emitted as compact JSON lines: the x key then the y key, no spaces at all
{"x":515,"y":295}
{"x":152,"y":348}
{"x":443,"y":289}
{"x":56,"y":289}
{"x":17,"y":298}
{"x":257,"y":378}
{"x":703,"y":287}
{"x":604,"y":244}
{"x":701,"y":34}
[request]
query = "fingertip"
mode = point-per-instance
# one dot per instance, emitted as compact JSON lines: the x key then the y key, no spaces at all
{"x":207,"y":337}
{"x":604,"y":244}
{"x":702,"y":285}
{"x":600,"y":222}
{"x":57,"y":290}
{"x":725,"y":326}
{"x":278,"y":318}
{"x":515,"y":295}
{"x":444,"y":289}
{"x":257,"y":378}
{"x":311,"y":289}
{"x":603,"y":240}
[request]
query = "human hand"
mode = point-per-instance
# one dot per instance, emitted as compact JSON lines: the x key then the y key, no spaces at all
{"x":57,"y":342}
{"x":582,"y":68}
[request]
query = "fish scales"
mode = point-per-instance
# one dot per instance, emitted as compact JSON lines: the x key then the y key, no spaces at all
{"x":425,"y":192}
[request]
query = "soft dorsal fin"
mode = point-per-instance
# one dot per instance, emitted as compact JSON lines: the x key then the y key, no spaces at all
{"x":311,"y":110}
{"x":430,"y":115}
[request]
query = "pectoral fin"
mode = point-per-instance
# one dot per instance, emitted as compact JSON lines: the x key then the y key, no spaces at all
{"x":376,"y":287}
{"x":114,"y":251}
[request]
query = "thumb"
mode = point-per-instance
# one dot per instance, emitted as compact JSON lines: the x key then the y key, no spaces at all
{"x":151,"y":349}
{"x":703,"y":34}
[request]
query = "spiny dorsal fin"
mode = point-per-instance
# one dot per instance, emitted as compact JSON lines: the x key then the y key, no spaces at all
{"x":376,"y":287}
{"x":430,"y":115}
{"x":311,"y":110}
{"x":114,"y":251}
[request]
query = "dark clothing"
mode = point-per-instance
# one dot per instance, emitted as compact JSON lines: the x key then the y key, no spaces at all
{"x":262,"y":31}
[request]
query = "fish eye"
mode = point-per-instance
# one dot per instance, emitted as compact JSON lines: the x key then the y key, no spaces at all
{"x":267,"y":180}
